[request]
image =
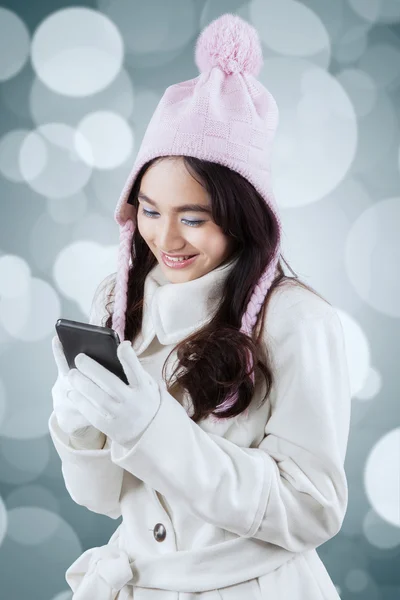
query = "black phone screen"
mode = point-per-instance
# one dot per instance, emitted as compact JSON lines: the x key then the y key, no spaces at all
{"x":100,"y":343}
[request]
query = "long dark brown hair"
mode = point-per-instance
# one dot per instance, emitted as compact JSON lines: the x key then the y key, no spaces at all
{"x":212,"y":362}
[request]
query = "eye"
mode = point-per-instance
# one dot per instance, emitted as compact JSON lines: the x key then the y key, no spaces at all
{"x":150,"y":215}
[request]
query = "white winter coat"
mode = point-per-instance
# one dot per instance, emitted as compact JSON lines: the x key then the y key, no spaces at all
{"x":234,"y":509}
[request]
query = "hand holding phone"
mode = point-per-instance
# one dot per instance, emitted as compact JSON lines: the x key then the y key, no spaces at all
{"x":70,"y":420}
{"x":99,"y":343}
{"x":121,"y":411}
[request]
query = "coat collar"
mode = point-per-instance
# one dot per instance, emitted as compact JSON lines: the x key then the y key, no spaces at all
{"x":172,"y":311}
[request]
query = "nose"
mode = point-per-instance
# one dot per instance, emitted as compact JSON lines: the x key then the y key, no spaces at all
{"x":169,"y":239}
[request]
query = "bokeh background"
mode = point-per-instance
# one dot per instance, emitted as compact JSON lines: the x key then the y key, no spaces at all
{"x":78,"y":85}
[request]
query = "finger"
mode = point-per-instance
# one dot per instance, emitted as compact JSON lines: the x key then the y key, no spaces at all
{"x":95,"y":395}
{"x":59,"y":355}
{"x":130,"y":363}
{"x":132,"y":366}
{"x":101,"y":376}
{"x":94,"y":416}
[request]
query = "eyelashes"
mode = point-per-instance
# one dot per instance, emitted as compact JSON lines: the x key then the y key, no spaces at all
{"x":150,"y":215}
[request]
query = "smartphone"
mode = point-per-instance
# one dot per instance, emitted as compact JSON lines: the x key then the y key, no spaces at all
{"x":100,"y":343}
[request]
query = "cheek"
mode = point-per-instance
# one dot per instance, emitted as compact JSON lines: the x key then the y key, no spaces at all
{"x":143,"y":227}
{"x":215,"y":241}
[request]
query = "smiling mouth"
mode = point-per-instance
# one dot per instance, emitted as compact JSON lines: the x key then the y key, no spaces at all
{"x":178,"y":263}
{"x":177,"y":255}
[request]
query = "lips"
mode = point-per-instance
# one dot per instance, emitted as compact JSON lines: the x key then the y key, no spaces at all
{"x":178,"y":255}
{"x":178,"y":264}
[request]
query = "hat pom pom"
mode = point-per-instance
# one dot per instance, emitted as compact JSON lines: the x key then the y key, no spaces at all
{"x":230,"y":43}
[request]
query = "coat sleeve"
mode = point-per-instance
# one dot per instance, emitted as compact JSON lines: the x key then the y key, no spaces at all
{"x":90,"y":476}
{"x":291,"y":490}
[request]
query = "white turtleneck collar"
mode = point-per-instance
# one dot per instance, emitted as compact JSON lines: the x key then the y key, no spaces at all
{"x":172,"y":311}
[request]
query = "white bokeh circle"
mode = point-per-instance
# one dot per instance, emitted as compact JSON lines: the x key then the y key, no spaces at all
{"x":46,"y":542}
{"x":31,"y":526}
{"x":379,"y":128}
{"x":33,"y":156}
{"x":146,"y":102}
{"x":77,"y":51}
{"x":316,"y":140}
{"x":372,"y":256}
{"x":290,"y":28}
{"x":381,"y":477}
{"x":80,"y":267}
{"x":361,"y":89}
{"x":23,"y":460}
{"x":97,"y":228}
{"x":30,"y":317}
{"x":47,"y":106}
{"x":358,"y":355}
{"x":26,"y":413}
{"x":50,"y":163}
{"x":357,"y":580}
{"x":68,"y":210}
{"x":10,"y":146}
{"x":352,"y":44}
{"x":110,"y":139}
{"x":14,"y":43}
{"x":372,"y":385}
{"x":15,"y":276}
{"x":33,"y":494}
{"x":377,"y":11}
{"x":379,"y":533}
{"x":67,"y":595}
{"x":106,"y":186}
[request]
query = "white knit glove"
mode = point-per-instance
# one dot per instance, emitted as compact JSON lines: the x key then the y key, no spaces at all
{"x":69,"y":417}
{"x":121,"y":411}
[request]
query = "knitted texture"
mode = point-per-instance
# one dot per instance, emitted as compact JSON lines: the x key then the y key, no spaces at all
{"x":224,"y":115}
{"x":231,"y":44}
{"x":121,"y":287}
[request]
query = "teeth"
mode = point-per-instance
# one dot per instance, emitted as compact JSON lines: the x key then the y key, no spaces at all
{"x":177,"y":259}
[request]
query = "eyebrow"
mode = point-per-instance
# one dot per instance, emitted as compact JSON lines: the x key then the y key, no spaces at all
{"x":179,"y":209}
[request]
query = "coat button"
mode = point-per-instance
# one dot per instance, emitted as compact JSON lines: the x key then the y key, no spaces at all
{"x":159,"y":532}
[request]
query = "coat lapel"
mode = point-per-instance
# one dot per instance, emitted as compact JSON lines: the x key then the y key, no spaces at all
{"x":172,"y":311}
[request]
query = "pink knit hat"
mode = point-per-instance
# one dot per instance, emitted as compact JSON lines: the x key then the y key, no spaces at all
{"x":223,"y":115}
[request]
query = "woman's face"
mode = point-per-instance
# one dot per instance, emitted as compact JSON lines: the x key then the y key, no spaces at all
{"x":169,"y":185}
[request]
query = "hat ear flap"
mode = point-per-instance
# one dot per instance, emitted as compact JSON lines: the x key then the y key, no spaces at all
{"x":121,"y":286}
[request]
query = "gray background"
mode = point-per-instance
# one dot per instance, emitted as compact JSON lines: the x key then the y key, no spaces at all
{"x":334,"y":69}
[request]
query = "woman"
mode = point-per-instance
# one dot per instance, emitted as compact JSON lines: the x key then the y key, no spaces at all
{"x":226,"y":486}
